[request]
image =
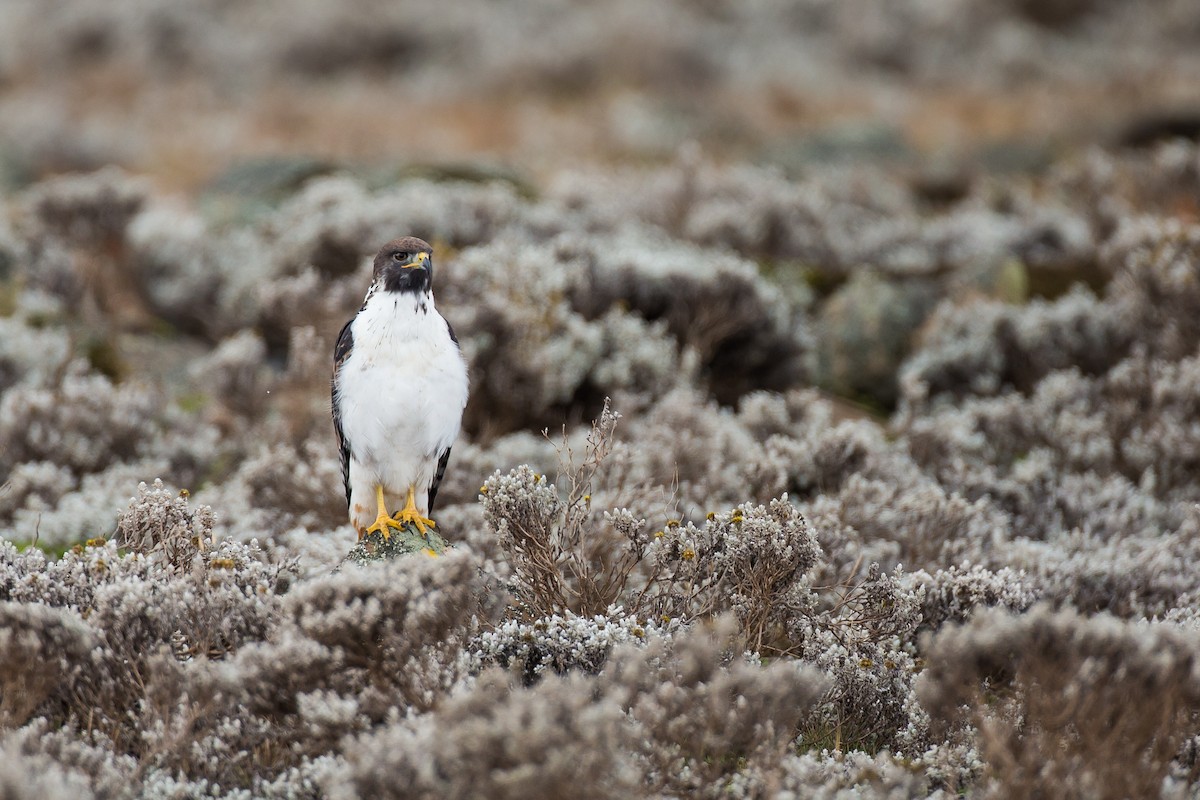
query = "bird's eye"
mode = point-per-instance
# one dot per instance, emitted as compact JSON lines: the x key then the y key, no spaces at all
{"x":400,"y":256}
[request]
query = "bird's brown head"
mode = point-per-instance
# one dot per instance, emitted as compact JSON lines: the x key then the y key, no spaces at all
{"x":405,"y":265}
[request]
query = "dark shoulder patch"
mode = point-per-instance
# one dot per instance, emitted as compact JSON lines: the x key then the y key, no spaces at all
{"x":450,"y":328}
{"x":345,"y":344}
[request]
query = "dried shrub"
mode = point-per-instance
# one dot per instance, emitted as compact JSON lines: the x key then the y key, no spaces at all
{"x":549,"y":361}
{"x":707,"y":717}
{"x":985,"y":347}
{"x":181,"y":597}
{"x":294,"y":486}
{"x":383,"y":620}
{"x":64,"y":512}
{"x":743,"y":335}
{"x":159,"y":522}
{"x":831,"y":773}
{"x":40,"y":648}
{"x":1125,"y":422}
{"x":566,"y":555}
{"x":85,"y":422}
{"x":1059,"y":719}
{"x":80,"y":242}
{"x":34,"y":483}
{"x":234,"y":374}
{"x":928,"y":525}
{"x":30,"y":355}
{"x":954,"y":594}
{"x":862,"y":640}
{"x":553,"y":739}
{"x":558,"y":643}
{"x":752,"y":562}
{"x":1156,"y":289}
{"x":24,"y":777}
{"x":674,"y":715}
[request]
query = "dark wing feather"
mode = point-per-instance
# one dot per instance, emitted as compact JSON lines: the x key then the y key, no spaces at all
{"x":341,"y":352}
{"x":443,"y":459}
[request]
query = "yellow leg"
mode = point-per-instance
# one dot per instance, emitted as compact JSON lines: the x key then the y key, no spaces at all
{"x":410,"y":514}
{"x":383,"y":520}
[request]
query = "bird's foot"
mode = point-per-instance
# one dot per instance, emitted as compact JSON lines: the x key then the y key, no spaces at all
{"x":383,"y":520}
{"x":410,"y":514}
{"x":404,"y":516}
{"x":382,"y":523}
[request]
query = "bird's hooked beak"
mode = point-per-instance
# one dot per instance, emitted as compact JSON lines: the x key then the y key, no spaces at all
{"x":420,"y":260}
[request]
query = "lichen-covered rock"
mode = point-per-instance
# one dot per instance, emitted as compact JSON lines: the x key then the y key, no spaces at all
{"x":406,"y":541}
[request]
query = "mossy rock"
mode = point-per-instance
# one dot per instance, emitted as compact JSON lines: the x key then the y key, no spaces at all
{"x":406,"y":541}
{"x":864,"y":332}
{"x":1005,"y":279}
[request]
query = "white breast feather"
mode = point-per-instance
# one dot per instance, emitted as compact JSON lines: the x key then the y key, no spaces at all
{"x":401,"y":395}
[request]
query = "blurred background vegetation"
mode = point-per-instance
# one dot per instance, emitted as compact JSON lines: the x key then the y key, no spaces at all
{"x":185,"y":91}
